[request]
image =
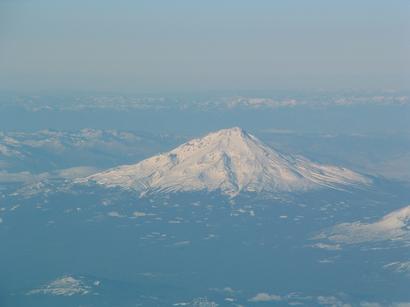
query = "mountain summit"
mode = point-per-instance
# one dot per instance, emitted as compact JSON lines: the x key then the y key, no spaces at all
{"x":229,"y":161}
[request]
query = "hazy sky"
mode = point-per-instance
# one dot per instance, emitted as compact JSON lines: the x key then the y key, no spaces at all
{"x":188,"y":45}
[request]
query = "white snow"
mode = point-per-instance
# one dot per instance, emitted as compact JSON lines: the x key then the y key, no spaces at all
{"x":394,"y":226}
{"x":139,"y":214}
{"x":115,"y":214}
{"x":399,"y":267}
{"x":331,"y":247}
{"x":229,"y":160}
{"x":64,"y":286}
{"x":265,"y":297}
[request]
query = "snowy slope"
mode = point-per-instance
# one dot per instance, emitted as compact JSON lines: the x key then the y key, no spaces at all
{"x":394,"y":226}
{"x":231,"y":161}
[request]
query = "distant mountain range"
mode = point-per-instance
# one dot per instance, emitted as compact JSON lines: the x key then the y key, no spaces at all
{"x":230,"y":161}
{"x":78,"y":102}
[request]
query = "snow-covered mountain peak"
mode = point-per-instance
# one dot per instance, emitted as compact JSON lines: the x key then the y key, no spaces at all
{"x":394,"y":226}
{"x":396,"y":219}
{"x":227,"y":140}
{"x":228,"y":160}
{"x":229,"y":132}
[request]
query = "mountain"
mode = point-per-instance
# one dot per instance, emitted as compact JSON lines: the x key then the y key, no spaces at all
{"x":230,"y":161}
{"x":394,"y":226}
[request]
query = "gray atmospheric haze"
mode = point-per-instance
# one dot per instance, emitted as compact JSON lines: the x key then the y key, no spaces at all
{"x":146,"y":46}
{"x":214,"y":153}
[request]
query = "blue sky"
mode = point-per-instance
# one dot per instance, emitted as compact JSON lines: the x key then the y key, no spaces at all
{"x":185,"y":45}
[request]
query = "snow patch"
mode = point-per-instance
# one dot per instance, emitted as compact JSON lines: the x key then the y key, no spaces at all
{"x":65,"y":286}
{"x":265,"y":297}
